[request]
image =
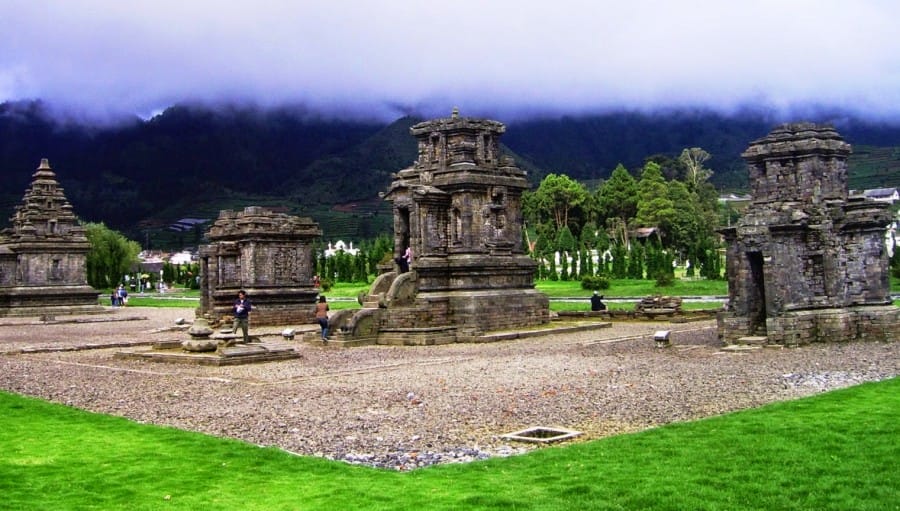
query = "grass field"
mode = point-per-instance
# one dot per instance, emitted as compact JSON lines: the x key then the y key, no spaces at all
{"x":636,"y":288}
{"x":554,"y":289}
{"x":835,"y":451}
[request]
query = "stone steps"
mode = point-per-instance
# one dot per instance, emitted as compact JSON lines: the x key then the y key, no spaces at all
{"x":753,"y":340}
{"x":748,"y":343}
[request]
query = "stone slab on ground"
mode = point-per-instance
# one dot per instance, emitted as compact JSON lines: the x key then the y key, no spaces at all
{"x":232,"y":355}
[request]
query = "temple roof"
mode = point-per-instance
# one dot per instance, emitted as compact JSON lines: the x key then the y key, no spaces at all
{"x":45,"y":213}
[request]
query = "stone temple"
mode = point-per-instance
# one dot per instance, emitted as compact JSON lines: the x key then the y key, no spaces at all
{"x":807,"y":262}
{"x":458,"y":209}
{"x":43,"y":256}
{"x":267,"y":254}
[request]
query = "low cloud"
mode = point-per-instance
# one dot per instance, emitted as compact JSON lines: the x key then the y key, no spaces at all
{"x":102,"y":59}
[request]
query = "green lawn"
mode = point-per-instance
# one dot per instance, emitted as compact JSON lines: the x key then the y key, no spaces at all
{"x":585,"y":305}
{"x":835,"y":451}
{"x":177,"y":297}
{"x":564,"y":289}
{"x":553,"y":289}
{"x":635,"y":288}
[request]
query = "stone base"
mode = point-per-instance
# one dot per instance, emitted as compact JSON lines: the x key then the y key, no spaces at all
{"x":478,"y":311}
{"x":234,"y":355}
{"x":50,"y":312}
{"x":338,"y":340}
{"x":49,"y":301}
{"x":426,"y":336}
{"x":753,"y":340}
{"x":276,"y":306}
{"x":737,"y":348}
{"x":434,"y":336}
{"x":879,"y":323}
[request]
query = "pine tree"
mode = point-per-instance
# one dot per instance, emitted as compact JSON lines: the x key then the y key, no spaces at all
{"x":619,"y":261}
{"x":635,"y":262}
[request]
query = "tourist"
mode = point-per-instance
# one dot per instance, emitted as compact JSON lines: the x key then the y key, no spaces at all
{"x":322,"y":317}
{"x":404,"y":261}
{"x":122,"y":295}
{"x":241,"y":309}
{"x":114,"y":298}
{"x":597,"y":302}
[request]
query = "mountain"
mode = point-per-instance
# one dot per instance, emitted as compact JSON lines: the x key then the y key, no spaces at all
{"x":590,"y":147}
{"x":128,"y":173}
{"x":360,"y":171}
{"x":189,"y":161}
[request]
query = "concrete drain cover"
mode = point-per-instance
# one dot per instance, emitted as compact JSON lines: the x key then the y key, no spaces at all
{"x":541,"y":435}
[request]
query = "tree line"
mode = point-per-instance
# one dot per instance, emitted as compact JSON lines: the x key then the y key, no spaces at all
{"x":629,"y":226}
{"x":113,"y":258}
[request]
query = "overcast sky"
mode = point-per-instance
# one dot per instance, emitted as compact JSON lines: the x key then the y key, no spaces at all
{"x":106,"y":58}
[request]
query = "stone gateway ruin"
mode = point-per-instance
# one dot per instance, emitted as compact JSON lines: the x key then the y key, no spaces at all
{"x":267,"y":254}
{"x":807,"y":262}
{"x":43,"y":256}
{"x":458,"y":209}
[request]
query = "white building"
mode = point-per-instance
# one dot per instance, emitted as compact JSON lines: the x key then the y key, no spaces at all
{"x":340,"y":246}
{"x":889,"y":195}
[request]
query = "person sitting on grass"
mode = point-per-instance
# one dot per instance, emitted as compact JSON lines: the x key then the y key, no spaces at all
{"x":597,"y":302}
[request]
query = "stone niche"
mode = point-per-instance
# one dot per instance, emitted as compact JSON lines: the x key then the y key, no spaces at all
{"x":459,"y":210}
{"x":43,"y":255}
{"x":807,"y":262}
{"x":267,"y":254}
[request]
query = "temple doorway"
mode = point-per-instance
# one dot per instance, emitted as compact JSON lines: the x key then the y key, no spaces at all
{"x":757,"y":294}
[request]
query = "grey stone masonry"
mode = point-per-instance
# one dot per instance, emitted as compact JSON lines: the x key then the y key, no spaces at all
{"x":267,"y":254}
{"x":43,"y":255}
{"x":807,"y":262}
{"x":458,"y":209}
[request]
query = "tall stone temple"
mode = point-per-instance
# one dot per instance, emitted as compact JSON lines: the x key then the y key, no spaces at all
{"x":807,"y":262}
{"x":267,"y":254}
{"x":458,"y":209}
{"x":43,"y":255}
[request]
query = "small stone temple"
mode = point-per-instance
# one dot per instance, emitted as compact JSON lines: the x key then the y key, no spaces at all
{"x":267,"y":254}
{"x":458,"y":209}
{"x":43,"y":255}
{"x":807,"y":262}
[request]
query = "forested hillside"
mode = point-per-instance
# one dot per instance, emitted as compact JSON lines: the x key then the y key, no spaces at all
{"x":590,"y":147}
{"x":186,"y":156}
{"x":193,"y":161}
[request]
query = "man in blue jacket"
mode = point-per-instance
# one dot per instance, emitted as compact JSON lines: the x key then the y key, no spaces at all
{"x":241,"y":310}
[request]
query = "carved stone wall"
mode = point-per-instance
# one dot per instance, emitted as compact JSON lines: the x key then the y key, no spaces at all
{"x":43,"y":254}
{"x":459,"y":209}
{"x":807,"y":262}
{"x":269,"y":255}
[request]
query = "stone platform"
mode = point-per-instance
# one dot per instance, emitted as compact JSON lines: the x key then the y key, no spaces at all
{"x":266,"y":351}
{"x":340,"y":341}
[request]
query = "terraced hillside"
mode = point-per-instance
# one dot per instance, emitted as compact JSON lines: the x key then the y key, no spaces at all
{"x":874,"y":167}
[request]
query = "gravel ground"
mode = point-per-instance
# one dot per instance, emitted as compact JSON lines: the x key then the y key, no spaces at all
{"x":406,"y":407}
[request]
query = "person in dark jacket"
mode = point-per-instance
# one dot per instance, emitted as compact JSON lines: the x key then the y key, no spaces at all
{"x":241,"y":310}
{"x":597,"y":302}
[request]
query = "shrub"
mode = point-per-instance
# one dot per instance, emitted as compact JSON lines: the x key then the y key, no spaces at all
{"x":594,"y":282}
{"x":664,"y":279}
